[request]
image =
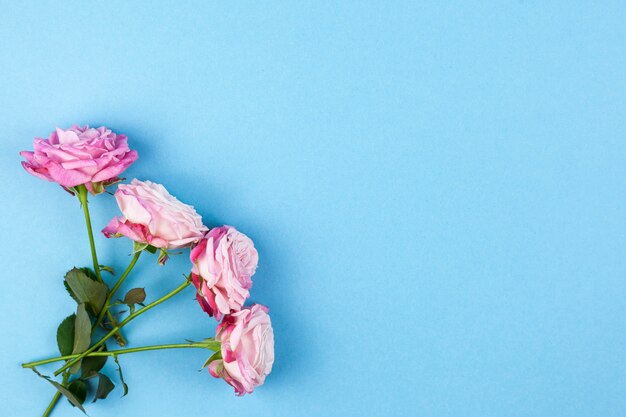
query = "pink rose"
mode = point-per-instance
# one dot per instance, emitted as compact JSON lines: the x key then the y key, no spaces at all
{"x":223,"y":263}
{"x":153,"y":216}
{"x":247,"y":349}
{"x":80,"y":155}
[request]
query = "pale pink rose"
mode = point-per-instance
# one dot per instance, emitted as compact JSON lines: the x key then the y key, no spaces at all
{"x":223,"y":263}
{"x":80,"y":155}
{"x":247,"y":349}
{"x":152,"y":215}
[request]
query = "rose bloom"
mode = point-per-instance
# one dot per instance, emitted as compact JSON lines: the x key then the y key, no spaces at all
{"x":153,"y":216}
{"x":223,"y":263}
{"x":80,"y":155}
{"x":247,"y":349}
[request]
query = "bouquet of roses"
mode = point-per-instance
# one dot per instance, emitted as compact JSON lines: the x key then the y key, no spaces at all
{"x":86,"y":161}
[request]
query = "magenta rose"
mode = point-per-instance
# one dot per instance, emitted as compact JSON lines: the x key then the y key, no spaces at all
{"x":80,"y":155}
{"x":154,"y":217}
{"x":247,"y":349}
{"x":223,"y":263}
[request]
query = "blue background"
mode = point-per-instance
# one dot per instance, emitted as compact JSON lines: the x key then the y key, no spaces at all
{"x":436,"y":191}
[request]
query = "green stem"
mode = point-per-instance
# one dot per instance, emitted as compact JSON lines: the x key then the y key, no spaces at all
{"x":83,"y":198}
{"x":122,"y":324}
{"x":106,"y":306}
{"x":55,"y":398}
{"x":211,"y":345}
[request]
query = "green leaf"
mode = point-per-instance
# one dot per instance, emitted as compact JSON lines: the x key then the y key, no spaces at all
{"x":151,"y":249}
{"x":163,"y":257}
{"x":82,"y":330}
{"x":70,"y":292}
{"x":71,"y":190}
{"x":138,"y":247}
{"x":72,"y":399}
{"x":215,"y":356}
{"x":107,"y":268}
{"x":65,"y":335}
{"x":135,"y":296}
{"x":212,"y":344}
{"x":119,"y":370}
{"x":92,"y":364}
{"x":85,"y":290}
{"x":78,"y":388}
{"x":89,"y":272}
{"x":82,"y":334}
{"x":75,"y":368}
{"x":105,"y":386}
{"x":97,"y":187}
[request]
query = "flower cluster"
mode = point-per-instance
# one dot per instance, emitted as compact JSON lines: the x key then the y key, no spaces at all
{"x":222,"y":263}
